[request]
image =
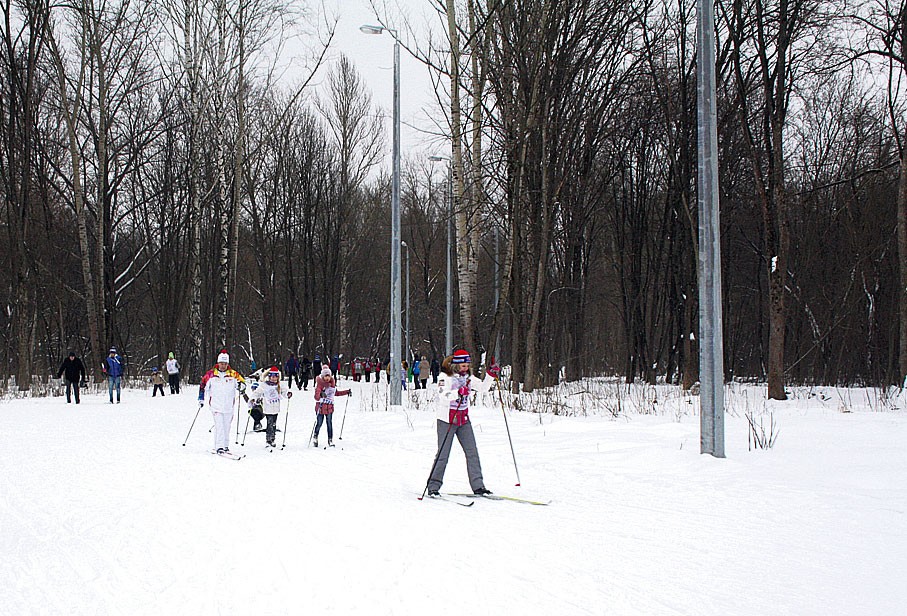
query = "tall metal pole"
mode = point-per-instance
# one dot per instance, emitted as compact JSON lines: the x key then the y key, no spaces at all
{"x":395,"y":355}
{"x":448,"y":328}
{"x":409,"y":349}
{"x":396,"y":384}
{"x":711,"y":353}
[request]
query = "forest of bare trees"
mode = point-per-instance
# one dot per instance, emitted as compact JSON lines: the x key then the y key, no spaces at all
{"x":162,"y":192}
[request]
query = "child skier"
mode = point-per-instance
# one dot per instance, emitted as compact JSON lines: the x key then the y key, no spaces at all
{"x":325,"y":391}
{"x":270,"y":394}
{"x":455,"y":385}
{"x":218,"y":390}
{"x":255,"y":410}
{"x":158,"y":381}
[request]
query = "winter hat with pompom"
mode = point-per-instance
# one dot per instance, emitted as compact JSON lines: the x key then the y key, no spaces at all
{"x":223,"y":357}
{"x":325,"y":371}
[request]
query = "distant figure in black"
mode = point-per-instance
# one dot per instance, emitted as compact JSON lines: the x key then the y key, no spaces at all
{"x":73,"y":372}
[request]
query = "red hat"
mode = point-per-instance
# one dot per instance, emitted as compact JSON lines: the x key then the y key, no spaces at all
{"x":274,"y":371}
{"x":460,"y":357}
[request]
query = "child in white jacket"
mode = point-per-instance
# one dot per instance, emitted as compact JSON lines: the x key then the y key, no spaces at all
{"x":270,"y":394}
{"x":455,"y":385}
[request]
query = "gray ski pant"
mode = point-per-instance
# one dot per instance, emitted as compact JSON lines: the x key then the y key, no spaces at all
{"x":467,"y":440}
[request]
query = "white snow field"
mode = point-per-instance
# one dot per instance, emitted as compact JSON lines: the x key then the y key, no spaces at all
{"x":103,"y":511}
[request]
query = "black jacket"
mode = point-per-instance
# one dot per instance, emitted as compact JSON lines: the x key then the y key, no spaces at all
{"x":73,"y":368}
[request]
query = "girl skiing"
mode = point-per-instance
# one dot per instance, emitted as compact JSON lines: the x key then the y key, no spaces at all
{"x":455,"y":385}
{"x":270,"y":395}
{"x":325,"y":391}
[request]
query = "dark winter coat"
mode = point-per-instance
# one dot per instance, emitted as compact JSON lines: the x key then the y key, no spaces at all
{"x":73,"y":368}
{"x":292,"y":366}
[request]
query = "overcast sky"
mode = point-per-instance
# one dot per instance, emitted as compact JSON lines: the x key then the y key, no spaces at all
{"x":373,"y":56}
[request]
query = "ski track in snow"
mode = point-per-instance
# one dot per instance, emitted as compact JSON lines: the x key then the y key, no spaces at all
{"x":102,"y":511}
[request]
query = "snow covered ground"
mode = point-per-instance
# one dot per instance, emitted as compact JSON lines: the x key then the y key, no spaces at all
{"x":103,"y":511}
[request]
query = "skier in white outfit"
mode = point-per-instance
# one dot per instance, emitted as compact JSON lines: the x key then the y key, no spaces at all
{"x":218,"y":391}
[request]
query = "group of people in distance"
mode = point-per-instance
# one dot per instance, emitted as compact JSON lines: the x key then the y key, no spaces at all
{"x":221,"y":384}
{"x":74,"y":376}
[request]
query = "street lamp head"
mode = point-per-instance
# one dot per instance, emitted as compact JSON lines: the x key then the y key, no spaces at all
{"x":369,"y":29}
{"x":437,"y":159}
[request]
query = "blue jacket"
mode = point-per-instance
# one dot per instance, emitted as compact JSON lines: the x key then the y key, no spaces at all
{"x":114,"y":366}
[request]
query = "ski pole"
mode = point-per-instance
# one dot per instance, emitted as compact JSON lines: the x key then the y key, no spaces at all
{"x":343,"y":423}
{"x":312,"y":435}
{"x":507,"y":425}
{"x":286,"y":420}
{"x":314,"y":425}
{"x":438,"y":455}
{"x":236,"y":412}
{"x":193,"y":424}
{"x":246,"y":431}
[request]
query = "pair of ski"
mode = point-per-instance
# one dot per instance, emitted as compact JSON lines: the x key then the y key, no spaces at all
{"x":468,"y":500}
{"x":229,"y":455}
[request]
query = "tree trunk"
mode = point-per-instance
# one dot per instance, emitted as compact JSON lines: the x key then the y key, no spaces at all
{"x":466,"y":245}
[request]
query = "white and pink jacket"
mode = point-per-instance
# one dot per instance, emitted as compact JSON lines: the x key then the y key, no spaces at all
{"x":452,"y":407}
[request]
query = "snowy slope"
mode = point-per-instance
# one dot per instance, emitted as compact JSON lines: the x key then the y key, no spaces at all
{"x":102,"y":511}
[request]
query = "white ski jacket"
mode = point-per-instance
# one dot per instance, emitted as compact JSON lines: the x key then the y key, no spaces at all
{"x":270,"y":396}
{"x":220,"y":390}
{"x":449,"y":396}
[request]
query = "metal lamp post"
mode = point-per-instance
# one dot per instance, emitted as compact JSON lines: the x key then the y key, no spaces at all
{"x":448,"y":312}
{"x":711,"y":342}
{"x":396,"y":383}
{"x":409,"y":349}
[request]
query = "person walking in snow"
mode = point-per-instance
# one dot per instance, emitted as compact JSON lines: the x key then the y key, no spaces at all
{"x":424,"y":369}
{"x":435,"y":370}
{"x":73,"y":372}
{"x":158,"y":381}
{"x":417,"y":379}
{"x":455,"y":386}
{"x":305,"y":372}
{"x":325,"y":392}
{"x":316,"y":367}
{"x":291,"y":367}
{"x":270,"y":395}
{"x":113,"y":367}
{"x":173,"y":373}
{"x":218,"y":391}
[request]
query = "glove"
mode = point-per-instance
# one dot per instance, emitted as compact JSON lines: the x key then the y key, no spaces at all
{"x":241,"y":386}
{"x":463,"y":391}
{"x":349,"y":392}
{"x":201,"y":403}
{"x":289,"y":395}
{"x":494,"y":371}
